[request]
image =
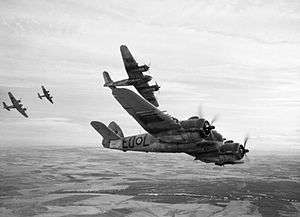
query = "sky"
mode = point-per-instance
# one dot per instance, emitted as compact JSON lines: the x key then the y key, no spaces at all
{"x":238,"y":59}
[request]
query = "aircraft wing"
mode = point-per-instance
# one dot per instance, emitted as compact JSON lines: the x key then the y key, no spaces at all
{"x":12,"y":98}
{"x":22,"y":111}
{"x":130,"y":63}
{"x":48,"y":96}
{"x":149,"y":117}
{"x":148,"y":95}
{"x":50,"y":99}
{"x":44,"y":90}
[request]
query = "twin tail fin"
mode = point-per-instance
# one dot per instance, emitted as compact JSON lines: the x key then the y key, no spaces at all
{"x":107,"y":133}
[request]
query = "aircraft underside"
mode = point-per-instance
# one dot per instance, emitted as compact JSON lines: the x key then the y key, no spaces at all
{"x":202,"y":154}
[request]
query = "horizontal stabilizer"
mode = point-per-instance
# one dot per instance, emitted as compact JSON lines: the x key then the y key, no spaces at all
{"x":39,"y":96}
{"x":108,"y":81}
{"x":115,"y":128}
{"x":5,"y":106}
{"x":104,"y":131}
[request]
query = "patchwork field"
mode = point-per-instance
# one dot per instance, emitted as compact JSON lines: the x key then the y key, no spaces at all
{"x":96,"y":182}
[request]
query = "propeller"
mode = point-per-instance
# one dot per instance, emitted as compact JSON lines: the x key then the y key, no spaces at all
{"x":158,"y":87}
{"x":200,"y":112}
{"x":246,"y":140}
{"x":244,"y":146}
{"x":148,"y":67}
{"x":201,"y":115}
{"x":215,"y":118}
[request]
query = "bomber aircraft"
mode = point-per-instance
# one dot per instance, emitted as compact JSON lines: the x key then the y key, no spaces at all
{"x":46,"y":94}
{"x":136,"y":77}
{"x":195,"y":136}
{"x":15,"y":105}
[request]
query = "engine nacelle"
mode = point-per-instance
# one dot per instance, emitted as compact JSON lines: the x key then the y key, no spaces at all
{"x":197,"y":124}
{"x":229,"y":148}
{"x":147,"y":78}
{"x":151,"y":88}
{"x":192,"y":123}
{"x":142,"y":68}
{"x":226,"y":153}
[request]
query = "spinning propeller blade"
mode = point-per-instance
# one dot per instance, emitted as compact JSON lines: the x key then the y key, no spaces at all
{"x":245,"y":142}
{"x":201,"y":115}
{"x":158,"y":91}
{"x":200,"y":111}
{"x":215,"y":118}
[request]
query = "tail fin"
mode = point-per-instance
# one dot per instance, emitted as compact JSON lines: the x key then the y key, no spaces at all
{"x":5,"y":106}
{"x":105,"y":132}
{"x":108,"y":81}
{"x":116,"y":129}
{"x":39,"y":96}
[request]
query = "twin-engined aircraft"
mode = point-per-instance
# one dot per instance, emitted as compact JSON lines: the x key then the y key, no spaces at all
{"x":136,"y":77}
{"x":46,"y":94}
{"x":16,"y":104}
{"x":195,"y":136}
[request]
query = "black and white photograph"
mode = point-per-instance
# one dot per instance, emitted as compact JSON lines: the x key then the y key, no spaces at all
{"x":160,"y":108}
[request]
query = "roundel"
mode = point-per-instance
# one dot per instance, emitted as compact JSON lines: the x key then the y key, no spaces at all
{"x":139,"y":140}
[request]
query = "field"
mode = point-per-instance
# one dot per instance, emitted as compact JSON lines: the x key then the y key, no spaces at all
{"x":79,"y":181}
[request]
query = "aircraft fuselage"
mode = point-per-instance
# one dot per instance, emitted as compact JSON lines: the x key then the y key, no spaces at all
{"x":148,"y":143}
{"x":130,"y":81}
{"x":207,"y":151}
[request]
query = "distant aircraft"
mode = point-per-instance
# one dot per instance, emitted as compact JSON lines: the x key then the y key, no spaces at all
{"x":195,"y":136}
{"x":46,"y":94}
{"x":136,"y":77}
{"x":15,"y":105}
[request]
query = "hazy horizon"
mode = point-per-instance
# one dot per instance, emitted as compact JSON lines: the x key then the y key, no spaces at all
{"x":237,"y":59}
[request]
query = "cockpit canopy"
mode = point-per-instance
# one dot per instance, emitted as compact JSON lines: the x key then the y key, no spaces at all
{"x":193,"y":117}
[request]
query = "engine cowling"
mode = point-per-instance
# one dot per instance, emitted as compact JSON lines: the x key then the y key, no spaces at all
{"x":197,"y":124}
{"x":142,"y":68}
{"x":151,"y":88}
{"x":232,"y":151}
{"x":147,"y":78}
{"x":229,"y":148}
